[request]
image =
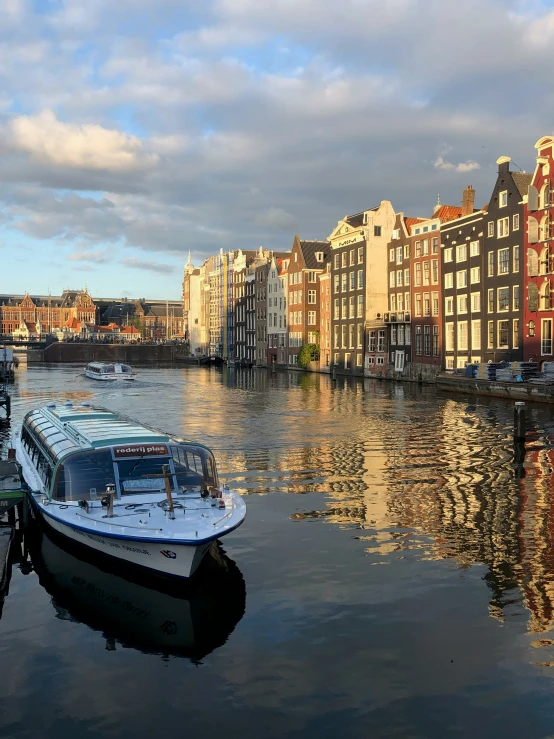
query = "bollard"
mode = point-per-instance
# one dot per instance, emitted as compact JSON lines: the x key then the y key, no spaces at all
{"x":519,"y":421}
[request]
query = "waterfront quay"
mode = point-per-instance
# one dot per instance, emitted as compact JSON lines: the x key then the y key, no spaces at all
{"x":393,"y":577}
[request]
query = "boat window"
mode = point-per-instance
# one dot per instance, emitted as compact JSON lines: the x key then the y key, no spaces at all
{"x":193,"y":466}
{"x":84,"y":476}
{"x":143,"y":475}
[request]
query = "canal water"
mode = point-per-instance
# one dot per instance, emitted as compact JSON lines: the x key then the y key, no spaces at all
{"x":394,"y":576}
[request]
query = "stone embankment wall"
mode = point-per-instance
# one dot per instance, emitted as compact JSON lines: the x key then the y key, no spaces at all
{"x":83,"y":353}
{"x":508,"y":390}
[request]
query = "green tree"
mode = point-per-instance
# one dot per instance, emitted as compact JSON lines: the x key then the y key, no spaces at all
{"x":307,"y":354}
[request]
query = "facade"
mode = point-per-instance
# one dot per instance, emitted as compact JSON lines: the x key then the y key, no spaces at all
{"x":462,"y":248}
{"x":426,"y":293}
{"x":277,"y":295}
{"x":539,"y":258}
{"x":192,"y":318}
{"x":250,"y":283}
{"x":360,"y":288}
{"x":261,"y":274}
{"x":307,"y":261}
{"x":325,"y":318}
{"x":33,"y":316}
{"x":502,"y":271}
{"x":240,"y":315}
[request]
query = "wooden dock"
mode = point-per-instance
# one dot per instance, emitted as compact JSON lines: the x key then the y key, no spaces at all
{"x":11,"y":495}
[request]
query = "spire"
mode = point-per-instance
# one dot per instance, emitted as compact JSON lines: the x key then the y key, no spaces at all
{"x":438,"y":205}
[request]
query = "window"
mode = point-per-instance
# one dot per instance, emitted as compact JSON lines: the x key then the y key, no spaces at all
{"x":337,"y":261}
{"x":435,"y":274}
{"x":449,"y":306}
{"x":531,"y":326}
{"x":360,"y":342}
{"x":462,"y":336}
{"x":312,"y":337}
{"x":435,"y":341}
{"x":406,"y":251}
{"x":344,"y":258}
{"x":336,"y":358}
{"x":393,"y":334}
{"x":448,"y":280}
{"x":401,"y":334}
{"x":358,"y":360}
{"x":360,"y":312}
{"x":490,"y":231}
{"x":417,"y":276}
{"x":426,"y":247}
{"x":311,"y":318}
{"x":475,"y":302}
{"x":344,"y":313}
{"x":336,"y":313}
{"x":360,"y":254}
{"x":425,"y":273}
{"x":372,"y":341}
{"x":406,"y":277}
{"x":347,"y":362}
{"x":503,"y":298}
{"x":490,"y":335}
{"x":344,"y":330}
{"x":427,"y":340}
{"x":516,"y":259}
{"x":503,"y":330}
{"x":435,"y":304}
{"x":380,"y":360}
{"x":515,"y":222}
{"x":319,"y":256}
{"x":391,"y":279}
{"x":391,"y":254}
{"x":312,"y":276}
{"x":408,"y":338}
{"x":515,"y":333}
{"x":461,"y":253}
{"x":502,"y":227}
{"x":418,"y":345}
{"x":352,"y":335}
{"x":352,"y":307}
{"x":336,"y":286}
{"x":448,"y":255}
{"x":461,"y":278}
{"x":450,"y":363}
{"x":435,"y":248}
{"x":545,"y":296}
{"x":475,"y":275}
{"x":503,"y":199}
{"x":398,"y":255}
{"x":418,"y":248}
{"x":344,"y":282}
{"x":312,"y":297}
{"x":352,"y":257}
{"x":462,"y":303}
{"x":381,"y":341}
{"x":377,"y":230}
{"x":418,"y":304}
{"x":393,"y":302}
{"x":503,"y":261}
{"x":426,"y":304}
{"x":515,"y":300}
{"x":476,"y":335}
{"x":491,"y":264}
{"x":474,"y":249}
{"x":352,"y":280}
{"x":490,"y":300}
{"x":449,"y":337}
{"x":361,"y":279}
{"x":399,"y":300}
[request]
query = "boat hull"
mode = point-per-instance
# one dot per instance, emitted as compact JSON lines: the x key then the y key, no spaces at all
{"x":105,"y":377}
{"x":164,"y":558}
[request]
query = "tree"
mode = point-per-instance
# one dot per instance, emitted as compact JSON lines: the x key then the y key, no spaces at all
{"x":307,"y":354}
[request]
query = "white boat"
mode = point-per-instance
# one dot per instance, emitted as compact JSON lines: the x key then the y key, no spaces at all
{"x":124,"y":489}
{"x":106,"y":371}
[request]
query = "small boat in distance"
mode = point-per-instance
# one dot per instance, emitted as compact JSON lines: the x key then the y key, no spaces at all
{"x":124,"y":489}
{"x":105,"y":371}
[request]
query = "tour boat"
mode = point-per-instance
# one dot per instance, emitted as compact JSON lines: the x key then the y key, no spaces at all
{"x":125,"y":489}
{"x":105,"y":371}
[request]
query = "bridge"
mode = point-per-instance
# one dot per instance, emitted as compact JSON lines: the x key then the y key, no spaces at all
{"x":41,"y":343}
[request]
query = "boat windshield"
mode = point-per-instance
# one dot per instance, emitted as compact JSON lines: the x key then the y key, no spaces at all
{"x":84,"y":476}
{"x":194,"y":467}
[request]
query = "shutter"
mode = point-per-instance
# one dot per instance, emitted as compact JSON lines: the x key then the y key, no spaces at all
{"x":532,"y":230}
{"x":532,"y":198}
{"x":532,"y":263}
{"x":532,"y":297}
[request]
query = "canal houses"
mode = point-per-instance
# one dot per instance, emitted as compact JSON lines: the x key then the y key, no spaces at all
{"x":277,"y":292}
{"x":261,"y":274}
{"x":325,"y":318}
{"x":462,"y":267}
{"x":360,"y":288}
{"x":539,"y":257}
{"x":502,"y":270}
{"x":308,"y":259}
{"x":240,"y":315}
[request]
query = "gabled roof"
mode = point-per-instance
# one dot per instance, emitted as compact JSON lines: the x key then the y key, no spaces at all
{"x":447,"y":213}
{"x":412,"y":222}
{"x":310,"y":249}
{"x":522,"y":180}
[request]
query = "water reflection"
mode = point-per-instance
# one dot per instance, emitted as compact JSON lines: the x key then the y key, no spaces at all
{"x":135,"y":610}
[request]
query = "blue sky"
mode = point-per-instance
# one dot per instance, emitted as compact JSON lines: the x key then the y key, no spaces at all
{"x":135,"y":131}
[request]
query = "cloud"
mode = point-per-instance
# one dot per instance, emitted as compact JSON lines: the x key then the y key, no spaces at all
{"x":468,"y":166}
{"x":277,"y":219}
{"x":96,"y":257}
{"x":85,"y":146}
{"x":135,"y":263}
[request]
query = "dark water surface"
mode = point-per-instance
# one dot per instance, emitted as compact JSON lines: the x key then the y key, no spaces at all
{"x":394,"y":577}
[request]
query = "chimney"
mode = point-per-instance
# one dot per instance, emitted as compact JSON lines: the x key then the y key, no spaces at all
{"x":468,"y":200}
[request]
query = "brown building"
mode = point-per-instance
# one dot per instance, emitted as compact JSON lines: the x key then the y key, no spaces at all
{"x":308,"y":260}
{"x":50,"y":312}
{"x":325,"y":317}
{"x":260,"y":287}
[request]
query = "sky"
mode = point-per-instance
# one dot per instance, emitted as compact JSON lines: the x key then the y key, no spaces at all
{"x":135,"y":131}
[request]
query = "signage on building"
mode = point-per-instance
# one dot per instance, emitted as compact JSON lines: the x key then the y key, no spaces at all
{"x":352,"y":239}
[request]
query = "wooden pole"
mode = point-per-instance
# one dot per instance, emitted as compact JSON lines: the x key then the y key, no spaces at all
{"x":519,"y":421}
{"x":167,"y":481}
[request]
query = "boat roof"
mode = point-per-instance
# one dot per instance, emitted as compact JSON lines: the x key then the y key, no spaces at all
{"x":106,"y":364}
{"x":66,"y":429}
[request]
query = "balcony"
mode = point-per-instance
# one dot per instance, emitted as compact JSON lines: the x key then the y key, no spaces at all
{"x":398,"y":317}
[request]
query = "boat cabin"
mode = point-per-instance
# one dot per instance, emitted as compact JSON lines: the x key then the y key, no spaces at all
{"x":79,"y":452}
{"x":101,"y":368}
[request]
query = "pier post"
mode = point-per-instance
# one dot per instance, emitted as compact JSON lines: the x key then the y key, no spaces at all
{"x":334,"y":373}
{"x":519,"y":421}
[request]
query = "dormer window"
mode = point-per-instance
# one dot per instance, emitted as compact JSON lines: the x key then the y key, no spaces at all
{"x":319,"y":256}
{"x":365,"y":219}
